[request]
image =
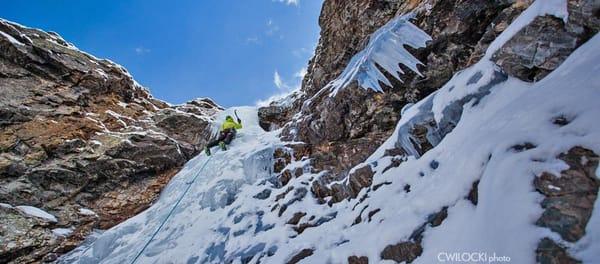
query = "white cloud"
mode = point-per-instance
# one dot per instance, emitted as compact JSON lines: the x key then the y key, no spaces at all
{"x":253,"y":40}
{"x":288,"y":2}
{"x":141,"y":50}
{"x":284,"y":88}
{"x":292,"y":83}
{"x":278,"y":81}
{"x":272,"y":27}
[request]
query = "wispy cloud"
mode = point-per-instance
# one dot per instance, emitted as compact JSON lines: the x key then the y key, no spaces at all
{"x":288,"y":2}
{"x":284,"y":87}
{"x":141,"y":50}
{"x":272,"y":31}
{"x":272,"y":27}
{"x":278,"y":81}
{"x":253,"y":40}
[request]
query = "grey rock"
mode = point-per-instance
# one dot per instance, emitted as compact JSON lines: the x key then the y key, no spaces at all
{"x":569,"y":198}
{"x":545,"y":43}
{"x":549,"y":252}
{"x":402,"y":252}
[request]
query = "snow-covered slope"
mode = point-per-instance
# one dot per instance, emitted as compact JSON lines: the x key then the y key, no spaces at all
{"x":191,"y":227}
{"x":491,"y":131}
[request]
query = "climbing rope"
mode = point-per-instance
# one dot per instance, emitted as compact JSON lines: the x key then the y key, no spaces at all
{"x":172,"y":210}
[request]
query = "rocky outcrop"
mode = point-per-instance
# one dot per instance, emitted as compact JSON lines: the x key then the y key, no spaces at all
{"x":548,"y":252}
{"x":568,"y":202}
{"x":279,"y":112}
{"x":344,"y":129}
{"x":545,"y":43}
{"x":403,"y":252}
{"x":77,"y":132}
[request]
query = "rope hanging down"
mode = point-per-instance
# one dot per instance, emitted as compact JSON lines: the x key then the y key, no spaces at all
{"x":171,"y":212}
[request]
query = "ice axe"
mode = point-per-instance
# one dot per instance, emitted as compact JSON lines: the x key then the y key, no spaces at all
{"x":236,"y":115}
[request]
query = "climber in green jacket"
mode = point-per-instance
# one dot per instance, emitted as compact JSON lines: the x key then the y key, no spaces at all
{"x":226,"y":135}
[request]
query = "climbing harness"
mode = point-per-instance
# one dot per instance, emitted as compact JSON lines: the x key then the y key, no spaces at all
{"x":189,"y":184}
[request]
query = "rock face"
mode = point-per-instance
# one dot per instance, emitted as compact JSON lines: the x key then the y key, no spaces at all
{"x":341,"y":131}
{"x":344,"y":129}
{"x":350,"y":125}
{"x":78,"y":132}
{"x":545,"y":43}
{"x":568,"y":203}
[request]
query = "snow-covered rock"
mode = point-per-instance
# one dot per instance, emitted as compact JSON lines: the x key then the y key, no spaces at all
{"x":62,"y":232}
{"x":87,"y":212}
{"x":37,"y":212}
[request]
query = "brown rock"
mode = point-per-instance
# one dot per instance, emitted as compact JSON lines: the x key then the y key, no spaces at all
{"x":359,"y":179}
{"x":296,"y":218}
{"x":569,"y":198}
{"x":358,"y":260}
{"x":402,"y":252}
{"x":76,"y":130}
{"x":548,"y":252}
{"x":301,"y":255}
{"x":473,"y":195}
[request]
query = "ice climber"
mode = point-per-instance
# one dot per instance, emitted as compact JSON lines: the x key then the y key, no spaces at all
{"x":226,"y":135}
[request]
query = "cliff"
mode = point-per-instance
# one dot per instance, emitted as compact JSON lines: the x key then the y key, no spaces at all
{"x":81,"y":140}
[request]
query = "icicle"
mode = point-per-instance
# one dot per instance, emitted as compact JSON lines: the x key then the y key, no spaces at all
{"x":386,"y":51}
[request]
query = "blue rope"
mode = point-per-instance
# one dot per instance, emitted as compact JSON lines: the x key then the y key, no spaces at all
{"x":171,"y":212}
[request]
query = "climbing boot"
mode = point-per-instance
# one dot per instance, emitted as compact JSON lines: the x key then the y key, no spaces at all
{"x":207,"y":151}
{"x":222,"y":145}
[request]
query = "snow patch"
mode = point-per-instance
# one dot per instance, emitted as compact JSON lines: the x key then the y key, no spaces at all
{"x":102,"y":73}
{"x":88,"y":212}
{"x":552,"y":187}
{"x":11,"y":39}
{"x":62,"y":232}
{"x":37,"y":212}
{"x":464,"y":83}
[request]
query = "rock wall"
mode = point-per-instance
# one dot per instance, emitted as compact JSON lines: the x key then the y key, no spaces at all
{"x":78,"y":133}
{"x":352,"y":124}
{"x":341,"y":131}
{"x":345,"y":129}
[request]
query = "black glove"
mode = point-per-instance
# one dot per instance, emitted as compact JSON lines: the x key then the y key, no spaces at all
{"x":239,"y":121}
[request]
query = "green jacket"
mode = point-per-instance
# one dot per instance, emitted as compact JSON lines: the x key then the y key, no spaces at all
{"x":229,"y":124}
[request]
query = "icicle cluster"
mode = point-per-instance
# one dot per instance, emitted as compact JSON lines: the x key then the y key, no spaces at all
{"x":386,"y":49}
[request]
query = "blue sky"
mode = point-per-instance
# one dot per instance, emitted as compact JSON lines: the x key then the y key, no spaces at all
{"x":234,"y":51}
